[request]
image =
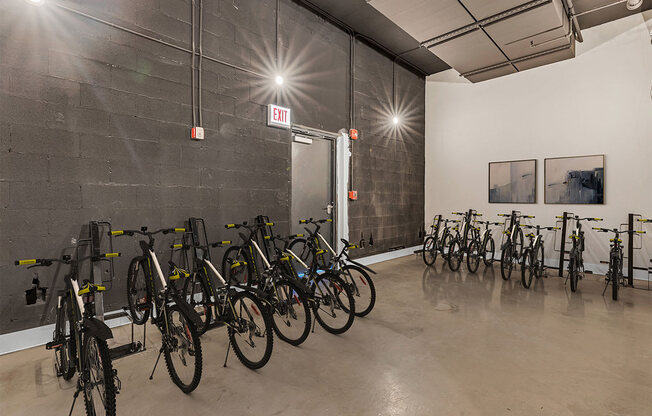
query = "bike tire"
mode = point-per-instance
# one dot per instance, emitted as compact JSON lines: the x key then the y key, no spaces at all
{"x":99,"y":366}
{"x":195,"y":284}
{"x":295,"y":298}
{"x":455,"y":255}
{"x":527,"y":268}
{"x":506,"y":262}
{"x":361,"y":308}
{"x":335,"y":287}
{"x":429,"y":252}
{"x":615,"y":282}
{"x":572,"y":274}
{"x":473,"y":256}
{"x":540,"y":261}
{"x":139,"y":294}
{"x":264,"y":313}
{"x":489,"y":251}
{"x":189,"y":330}
{"x":66,"y":354}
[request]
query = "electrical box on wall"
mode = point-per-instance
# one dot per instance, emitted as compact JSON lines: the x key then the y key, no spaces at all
{"x":353,"y":195}
{"x":197,"y":133}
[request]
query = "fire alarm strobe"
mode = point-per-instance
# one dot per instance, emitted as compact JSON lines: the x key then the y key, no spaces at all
{"x":353,"y":134}
{"x":197,"y":133}
{"x":353,"y":195}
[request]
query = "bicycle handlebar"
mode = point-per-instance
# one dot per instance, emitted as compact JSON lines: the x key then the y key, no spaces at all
{"x":245,"y":224}
{"x":143,"y":231}
{"x":66,"y":259}
{"x":644,"y":220}
{"x":311,"y":221}
{"x":617,"y":231}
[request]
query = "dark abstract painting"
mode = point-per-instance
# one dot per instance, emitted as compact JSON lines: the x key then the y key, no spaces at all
{"x":574,"y":180}
{"x":513,"y":182}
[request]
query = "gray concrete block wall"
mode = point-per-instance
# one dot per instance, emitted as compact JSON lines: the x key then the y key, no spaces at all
{"x":94,"y":124}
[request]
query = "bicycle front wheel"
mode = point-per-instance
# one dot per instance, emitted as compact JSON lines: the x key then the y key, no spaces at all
{"x":615,"y":281}
{"x":291,"y":314}
{"x":334,"y":304}
{"x":139,"y":292}
{"x":182,"y":350}
{"x":489,"y":251}
{"x":473,"y":256}
{"x":527,"y":268}
{"x":237,"y":266}
{"x":573,"y":273}
{"x":66,"y":352}
{"x":506,"y":262}
{"x":362,"y":287}
{"x":99,"y":387}
{"x":250,"y":330}
{"x":429,"y":252}
{"x":455,"y":255}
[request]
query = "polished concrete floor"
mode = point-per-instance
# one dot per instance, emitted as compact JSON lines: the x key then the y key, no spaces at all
{"x":437,"y":343}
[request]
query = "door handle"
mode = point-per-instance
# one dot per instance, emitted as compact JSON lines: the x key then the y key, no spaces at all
{"x":329,"y":208}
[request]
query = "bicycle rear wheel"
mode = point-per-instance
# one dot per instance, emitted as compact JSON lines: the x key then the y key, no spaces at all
{"x":334,"y":304}
{"x":182,"y":350}
{"x":299,"y":247}
{"x":573,"y":273}
{"x":615,"y":280}
{"x":197,"y":294}
{"x":250,"y":330}
{"x":139,"y":292}
{"x":99,"y":388}
{"x":489,"y":251}
{"x":241,"y":273}
{"x":291,"y":314}
{"x":362,"y":287}
{"x":429,"y":252}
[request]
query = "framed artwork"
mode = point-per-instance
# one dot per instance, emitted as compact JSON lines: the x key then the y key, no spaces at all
{"x":574,"y":180}
{"x":513,"y":182}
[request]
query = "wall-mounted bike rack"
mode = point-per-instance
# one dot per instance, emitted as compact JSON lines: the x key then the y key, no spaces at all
{"x":97,"y":231}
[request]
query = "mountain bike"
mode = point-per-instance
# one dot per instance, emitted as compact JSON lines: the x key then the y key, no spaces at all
{"x":482,"y":246}
{"x":355,"y":275}
{"x":534,"y":255}
{"x":615,"y":273}
{"x":238,"y":307}
{"x":459,"y":244}
{"x":437,"y":241}
{"x":173,"y":316}
{"x":575,"y":257}
{"x":331,"y":298}
{"x":79,"y":339}
{"x":512,"y":249}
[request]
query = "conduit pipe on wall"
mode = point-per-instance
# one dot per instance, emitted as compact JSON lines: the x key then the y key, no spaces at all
{"x":192,"y":62}
{"x":576,"y":24}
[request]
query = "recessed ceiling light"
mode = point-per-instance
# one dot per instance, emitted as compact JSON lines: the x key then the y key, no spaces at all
{"x":36,"y":2}
{"x":395,"y":120}
{"x":634,"y":4}
{"x":279,"y":80}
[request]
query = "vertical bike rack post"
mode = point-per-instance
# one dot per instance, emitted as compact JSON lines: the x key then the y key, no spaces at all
{"x":630,"y":250}
{"x":562,"y":250}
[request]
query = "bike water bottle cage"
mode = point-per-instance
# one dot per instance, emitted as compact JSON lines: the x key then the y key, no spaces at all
{"x":90,"y":288}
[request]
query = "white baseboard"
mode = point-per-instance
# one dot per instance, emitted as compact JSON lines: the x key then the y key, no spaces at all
{"x":390,"y":255}
{"x":33,"y":337}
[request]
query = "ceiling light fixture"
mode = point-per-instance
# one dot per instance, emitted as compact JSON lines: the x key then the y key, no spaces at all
{"x":36,"y":2}
{"x":395,"y":120}
{"x":279,"y":80}
{"x":634,"y":4}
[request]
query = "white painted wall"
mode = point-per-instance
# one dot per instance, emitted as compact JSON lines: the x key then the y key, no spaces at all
{"x":598,"y":102}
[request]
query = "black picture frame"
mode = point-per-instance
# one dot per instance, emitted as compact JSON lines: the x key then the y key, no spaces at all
{"x":534,"y":161}
{"x":545,"y":180}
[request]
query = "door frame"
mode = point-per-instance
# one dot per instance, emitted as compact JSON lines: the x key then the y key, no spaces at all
{"x":340,"y":159}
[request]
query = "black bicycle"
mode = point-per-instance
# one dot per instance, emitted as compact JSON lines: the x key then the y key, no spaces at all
{"x":534,"y":255}
{"x":173,"y":316}
{"x":575,"y":256}
{"x":79,"y":340}
{"x":460,"y":243}
{"x":482,"y":246}
{"x":512,"y":248}
{"x":615,"y":273}
{"x":438,"y":240}
{"x":356,"y":276}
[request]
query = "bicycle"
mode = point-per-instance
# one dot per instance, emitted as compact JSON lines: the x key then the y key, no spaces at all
{"x":287,"y":302}
{"x":575,"y":257}
{"x":435,"y":242}
{"x":534,"y":255}
{"x":482,"y":246}
{"x":459,"y":244}
{"x":512,"y":248}
{"x":79,"y":339}
{"x":173,"y":316}
{"x":615,"y":271}
{"x":233,"y":305}
{"x":349,"y":270}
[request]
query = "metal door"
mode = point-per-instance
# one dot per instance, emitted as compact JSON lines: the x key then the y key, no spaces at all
{"x":313,"y":181}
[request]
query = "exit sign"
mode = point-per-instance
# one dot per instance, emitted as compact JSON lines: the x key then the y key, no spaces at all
{"x":278,"y":116}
